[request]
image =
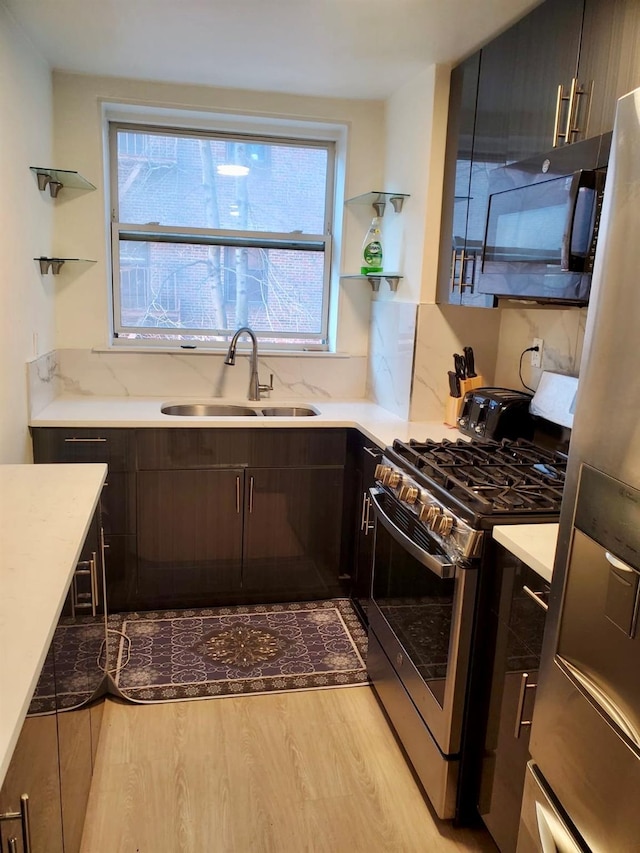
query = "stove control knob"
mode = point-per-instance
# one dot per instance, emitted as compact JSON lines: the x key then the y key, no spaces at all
{"x":395,"y":479}
{"x":430,"y":515}
{"x":445,"y":525}
{"x":408,"y":494}
{"x":380,"y":472}
{"x":479,"y":429}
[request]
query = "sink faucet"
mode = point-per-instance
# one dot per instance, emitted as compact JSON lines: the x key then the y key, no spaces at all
{"x":254,"y":382}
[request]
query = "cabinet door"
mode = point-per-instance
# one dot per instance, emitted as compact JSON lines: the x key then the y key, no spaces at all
{"x":462,"y":113}
{"x":545,"y":45}
{"x":609,"y":60}
{"x":363,"y":534}
{"x":520,"y":622}
{"x":292,"y":533}
{"x":189,"y":536}
{"x":79,"y":649}
{"x":34,"y":771}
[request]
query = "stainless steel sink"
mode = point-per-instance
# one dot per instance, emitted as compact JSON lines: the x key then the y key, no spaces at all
{"x":207,"y":410}
{"x":288,"y":412}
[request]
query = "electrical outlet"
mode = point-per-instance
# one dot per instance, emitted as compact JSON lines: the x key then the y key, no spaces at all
{"x":536,"y":357}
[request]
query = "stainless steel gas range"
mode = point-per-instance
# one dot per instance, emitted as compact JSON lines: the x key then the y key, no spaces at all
{"x":435,"y":504}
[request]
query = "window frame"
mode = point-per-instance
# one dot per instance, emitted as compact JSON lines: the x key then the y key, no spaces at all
{"x":221,"y":237}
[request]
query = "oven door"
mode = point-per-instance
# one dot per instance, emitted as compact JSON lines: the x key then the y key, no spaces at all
{"x":422,"y":608}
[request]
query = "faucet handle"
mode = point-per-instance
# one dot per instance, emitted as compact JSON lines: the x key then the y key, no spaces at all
{"x":268,"y":387}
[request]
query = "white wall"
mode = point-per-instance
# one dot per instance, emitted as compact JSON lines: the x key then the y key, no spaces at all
{"x":26,"y":319}
{"x":82,"y":305}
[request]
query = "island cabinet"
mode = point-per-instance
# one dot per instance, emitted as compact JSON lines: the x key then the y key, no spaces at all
{"x":518,"y":616}
{"x":45,"y":791}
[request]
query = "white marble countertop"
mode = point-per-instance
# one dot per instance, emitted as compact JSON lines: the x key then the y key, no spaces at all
{"x":45,"y":514}
{"x":534,"y":544}
{"x":380,"y":425}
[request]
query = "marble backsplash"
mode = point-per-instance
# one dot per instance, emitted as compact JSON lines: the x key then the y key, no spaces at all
{"x":169,"y":375}
{"x":391,"y":348}
{"x":562,"y":330}
{"x":441,"y":331}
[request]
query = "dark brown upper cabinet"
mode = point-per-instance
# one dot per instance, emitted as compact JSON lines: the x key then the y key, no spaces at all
{"x":609,"y":64}
{"x":550,"y":80}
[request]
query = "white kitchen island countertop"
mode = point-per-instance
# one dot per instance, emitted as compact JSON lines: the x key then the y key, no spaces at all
{"x":45,"y":514}
{"x":534,"y":544}
{"x":380,"y":425}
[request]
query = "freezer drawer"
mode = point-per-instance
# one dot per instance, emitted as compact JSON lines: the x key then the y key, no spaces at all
{"x":543,"y":826}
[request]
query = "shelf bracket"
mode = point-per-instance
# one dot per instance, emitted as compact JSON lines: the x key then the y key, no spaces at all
{"x":379,"y":207}
{"x":45,"y":181}
{"x":392,"y":281}
{"x":397,"y":201}
{"x":53,"y":264}
{"x":374,"y":281}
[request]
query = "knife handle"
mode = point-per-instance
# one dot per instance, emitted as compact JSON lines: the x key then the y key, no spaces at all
{"x":454,"y":384}
{"x":470,"y":362}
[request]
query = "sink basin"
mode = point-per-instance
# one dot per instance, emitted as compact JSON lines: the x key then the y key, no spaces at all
{"x":207,"y":410}
{"x":288,"y":412}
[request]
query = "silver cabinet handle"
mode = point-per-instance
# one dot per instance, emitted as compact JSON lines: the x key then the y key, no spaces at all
{"x":85,"y":568}
{"x":524,"y":686}
{"x":537,"y":597}
{"x":372,"y":452}
{"x":25,"y":823}
{"x":617,"y":563}
{"x":86,"y":440}
{"x":13,"y":845}
{"x":238,"y":495}
{"x":368,"y":524}
{"x":452,"y":278}
{"x":364,"y":506}
{"x":250,"y":494}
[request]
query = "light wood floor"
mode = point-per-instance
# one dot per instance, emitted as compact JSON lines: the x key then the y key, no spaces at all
{"x":288,"y":773}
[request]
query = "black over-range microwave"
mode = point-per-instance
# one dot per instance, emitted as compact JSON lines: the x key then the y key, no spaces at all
{"x":542,"y":224}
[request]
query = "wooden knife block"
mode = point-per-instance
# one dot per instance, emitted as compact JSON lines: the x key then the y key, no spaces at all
{"x":453,"y":406}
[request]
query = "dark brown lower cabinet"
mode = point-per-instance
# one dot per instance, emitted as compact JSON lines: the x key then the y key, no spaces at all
{"x":202,"y":517}
{"x":209,"y":537}
{"x":34,"y":771}
{"x":519,"y":620}
{"x":292,"y":533}
{"x":189,"y":536}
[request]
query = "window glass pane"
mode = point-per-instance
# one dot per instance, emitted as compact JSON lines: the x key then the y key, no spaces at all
{"x":214,"y":183}
{"x":175,"y":286}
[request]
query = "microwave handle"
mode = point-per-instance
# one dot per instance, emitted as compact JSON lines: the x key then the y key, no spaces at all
{"x":582,"y":179}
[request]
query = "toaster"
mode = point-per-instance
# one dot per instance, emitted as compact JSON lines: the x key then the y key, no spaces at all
{"x":496,"y":413}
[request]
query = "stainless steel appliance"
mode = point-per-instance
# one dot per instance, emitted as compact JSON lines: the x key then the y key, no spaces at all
{"x":435,"y":504}
{"x":542,"y":224}
{"x":583,"y":786}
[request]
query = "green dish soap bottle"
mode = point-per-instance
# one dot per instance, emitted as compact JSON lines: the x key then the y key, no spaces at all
{"x":372,"y":249}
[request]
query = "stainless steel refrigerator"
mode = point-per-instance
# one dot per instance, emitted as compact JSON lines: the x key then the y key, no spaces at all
{"x":583,"y":784}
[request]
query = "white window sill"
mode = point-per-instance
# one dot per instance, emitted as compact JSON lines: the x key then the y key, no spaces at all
{"x":263,"y":353}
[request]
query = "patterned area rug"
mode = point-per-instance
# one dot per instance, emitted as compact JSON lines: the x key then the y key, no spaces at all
{"x":226,"y":651}
{"x":68,"y":676}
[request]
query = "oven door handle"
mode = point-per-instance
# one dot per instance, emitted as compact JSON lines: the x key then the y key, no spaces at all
{"x":440,"y":566}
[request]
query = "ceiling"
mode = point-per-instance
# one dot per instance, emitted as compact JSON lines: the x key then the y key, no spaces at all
{"x":338,"y":48}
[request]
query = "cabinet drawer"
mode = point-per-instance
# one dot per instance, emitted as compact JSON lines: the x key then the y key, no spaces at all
{"x":164,"y":449}
{"x":65,"y":444}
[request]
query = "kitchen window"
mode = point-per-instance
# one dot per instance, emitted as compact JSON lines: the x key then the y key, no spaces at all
{"x":214,"y":231}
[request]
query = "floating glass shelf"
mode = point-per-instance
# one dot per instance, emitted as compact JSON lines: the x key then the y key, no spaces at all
{"x":55,"y":179}
{"x":378,"y":200}
{"x":374,"y":279}
{"x":55,"y":264}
